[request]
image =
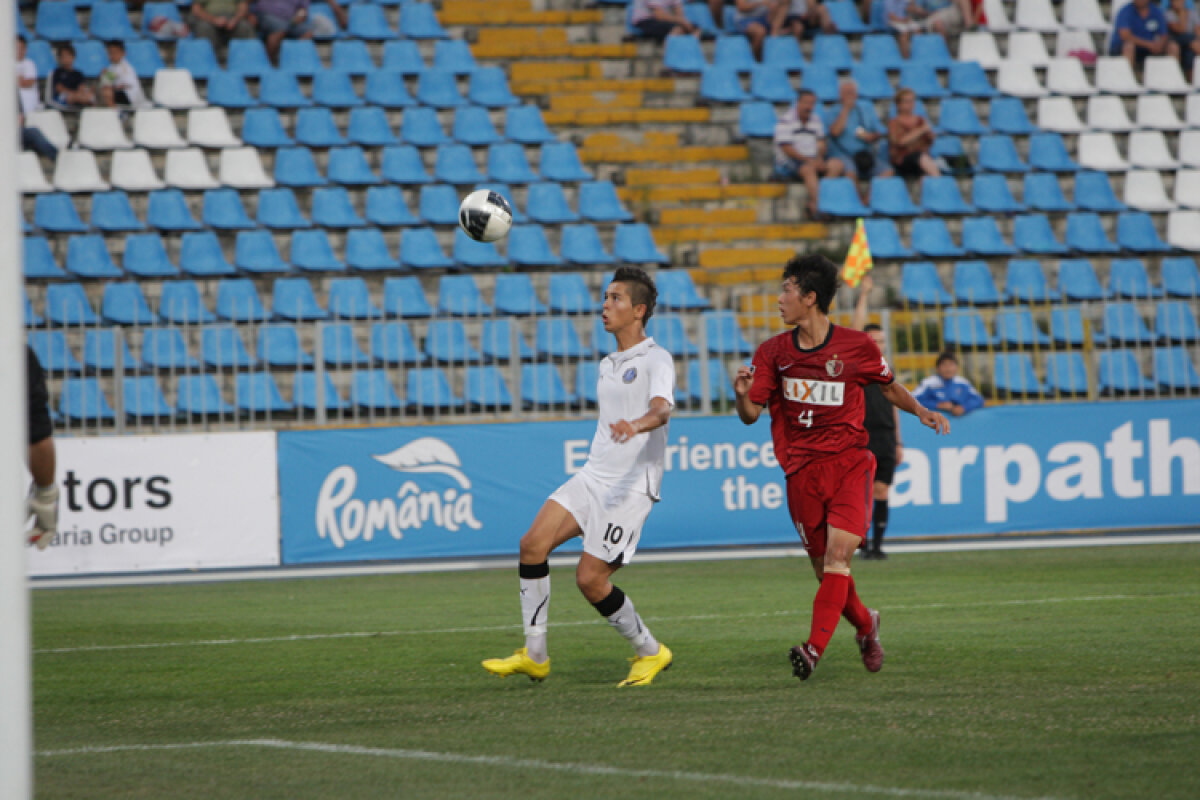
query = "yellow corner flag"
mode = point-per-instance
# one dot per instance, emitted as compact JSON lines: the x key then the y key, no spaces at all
{"x":858,"y":257}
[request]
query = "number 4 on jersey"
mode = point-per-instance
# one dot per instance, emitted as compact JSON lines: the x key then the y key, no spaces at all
{"x":806,"y":418}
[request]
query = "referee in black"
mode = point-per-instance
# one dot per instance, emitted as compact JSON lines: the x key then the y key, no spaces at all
{"x":43,"y":495}
{"x":882,"y":421}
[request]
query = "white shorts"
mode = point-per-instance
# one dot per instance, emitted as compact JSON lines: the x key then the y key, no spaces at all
{"x":611,"y":518}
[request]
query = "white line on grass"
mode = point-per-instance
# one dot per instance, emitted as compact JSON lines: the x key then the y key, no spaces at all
{"x":304,"y":637}
{"x":545,"y":766}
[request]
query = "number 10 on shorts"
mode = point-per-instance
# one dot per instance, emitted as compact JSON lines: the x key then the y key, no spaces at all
{"x":613,"y":534}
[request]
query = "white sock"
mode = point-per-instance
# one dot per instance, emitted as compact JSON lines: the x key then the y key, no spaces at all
{"x":535,"y":606}
{"x":627,"y":623}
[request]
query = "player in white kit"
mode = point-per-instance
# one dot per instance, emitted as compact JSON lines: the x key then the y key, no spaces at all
{"x":607,"y":501}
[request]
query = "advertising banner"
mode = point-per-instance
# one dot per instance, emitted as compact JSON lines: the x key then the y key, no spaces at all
{"x":154,"y":503}
{"x":469,"y":490}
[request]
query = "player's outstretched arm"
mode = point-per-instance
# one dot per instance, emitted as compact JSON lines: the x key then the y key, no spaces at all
{"x":902,"y":398}
{"x":748,"y":411}
{"x":658,"y":415}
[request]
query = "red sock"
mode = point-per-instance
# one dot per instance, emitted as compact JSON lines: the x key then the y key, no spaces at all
{"x":827,"y":608}
{"x":855,"y":612}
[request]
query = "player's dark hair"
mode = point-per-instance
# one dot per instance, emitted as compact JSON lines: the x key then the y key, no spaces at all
{"x":65,"y":47}
{"x":642,"y":291}
{"x":872,"y":326}
{"x":814,"y":273}
{"x":945,"y":356}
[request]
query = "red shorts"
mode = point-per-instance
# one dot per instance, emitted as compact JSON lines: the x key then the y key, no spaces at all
{"x":833,"y":492}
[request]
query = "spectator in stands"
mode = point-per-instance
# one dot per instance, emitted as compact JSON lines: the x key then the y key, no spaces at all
{"x":800,"y":147}
{"x":324,"y":26}
{"x":221,"y":20}
{"x":27,"y":85}
{"x":1181,"y":26}
{"x":797,"y":16}
{"x":658,"y":19}
{"x":752,"y":19}
{"x":898,"y":21}
{"x":282,"y":19}
{"x":1140,"y":30}
{"x":33,"y":139}
{"x":119,"y":84}
{"x":910,"y":138}
{"x":947,"y":17}
{"x":68,"y":87}
{"x":854,"y":133}
{"x":947,"y":390}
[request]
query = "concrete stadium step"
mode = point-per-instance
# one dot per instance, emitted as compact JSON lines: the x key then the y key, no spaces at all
{"x":553,"y":86}
{"x":738,"y":233}
{"x":658,"y":155}
{"x":591,"y":117}
{"x":653,"y":195}
{"x":705,"y":217}
{"x":512,"y":12}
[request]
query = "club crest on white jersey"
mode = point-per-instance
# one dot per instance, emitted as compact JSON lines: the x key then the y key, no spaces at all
{"x":817,"y":393}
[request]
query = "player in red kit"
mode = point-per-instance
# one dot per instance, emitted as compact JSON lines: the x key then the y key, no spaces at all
{"x":811,"y":379}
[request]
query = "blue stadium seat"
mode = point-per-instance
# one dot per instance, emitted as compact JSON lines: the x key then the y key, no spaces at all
{"x":668,"y":333}
{"x":965,"y":329}
{"x":197,"y":57}
{"x":279,"y":89}
{"x":38,"y":262}
{"x":350,"y":299}
{"x":496,"y":341}
{"x":144,"y":399}
{"x":278,"y":209}
{"x":1127,"y":278}
{"x":333,"y":30}
{"x":527,"y":246}
{"x":420,"y":127}
{"x":718,"y":384}
{"x":1048,"y":153}
{"x":348,"y":167}
{"x":418,"y":21}
{"x":257,"y":393}
{"x":429,"y":391}
{"x":90,"y":58}
{"x":304,"y":394}
{"x":472,"y":126}
{"x":1033,"y":234}
{"x":598,"y":202}
{"x":921,"y":78}
{"x":990,"y":193}
{"x":261,"y":127}
{"x":164,"y":349}
{"x":682,"y":54}
{"x":438,"y":204}
{"x":507,"y":163}
{"x":844,"y":14}
{"x":368,"y":22}
{"x":237,"y":301}
{"x":339,"y":349}
{"x":54,"y":353}
{"x":57,"y":23}
{"x":299,"y":57}
{"x":756,"y":120}
{"x":1014,"y":376}
{"x":941,"y":196}
{"x":1027,"y":283}
{"x":167,"y":211}
{"x":1136,"y":232}
{"x":112,"y":213}
{"x":392,"y":345}
{"x":180,"y":303}
{"x":248,"y":58}
{"x":81,"y":399}
{"x":315,"y":128}
{"x":547,"y":204}
{"x":87,"y":257}
{"x":488,"y":87}
{"x":724,"y":334}
{"x":838,"y":197}
{"x":446,"y":343}
{"x":885,"y":239}
{"x":459,"y":296}
{"x":484,"y":387}
{"x":967,"y":79}
{"x":386,"y":207}
{"x":890,"y":196}
{"x":335,"y":90}
{"x":699,"y":15}
{"x":560,"y":162}
{"x":733,"y":52}
{"x":1066,"y":374}
{"x":1123,"y":325}
{"x":454,"y":55}
{"x":1043,"y":193}
{"x":1180,"y":277}
{"x":332,"y":208}
{"x":822,"y":80}
{"x":569,"y":294}
{"x":525,"y":124}
{"x":385,"y":88}
{"x":293,"y":300}
{"x":455,"y":164}
{"x":1174,"y":371}
{"x":402,"y":164}
{"x":1078,"y":282}
{"x":32,"y":318}
{"x":833,"y":52}
{"x":677,"y":292}
{"x":439,"y":89}
{"x":1085,"y":234}
{"x":1093,"y":192}
{"x":1007,"y":115}
{"x":514,"y":294}
{"x":931,"y":238}
{"x":312,"y":252}
{"x":634,"y":244}
{"x":222,"y":349}
{"x":1175,"y":323}
{"x":67,"y":304}
{"x":997,"y":153}
{"x":542,"y":387}
{"x":782,"y":52}
{"x":1015,"y":327}
{"x":146,"y":257}
{"x":920,"y":285}
{"x":366,"y":250}
{"x":973,"y":284}
{"x":404,"y":297}
{"x":404,"y":57}
{"x":199,"y":396}
{"x":930,"y":48}
{"x":294,"y":166}
{"x":771,"y":84}
{"x":55,"y":213}
{"x":125,"y":304}
{"x":881,"y":50}
{"x":959,"y":118}
{"x":1119,"y":373}
{"x":352,"y":57}
{"x":419,"y":249}
{"x":200,"y":254}
{"x":721,"y":85}
{"x":556,"y":338}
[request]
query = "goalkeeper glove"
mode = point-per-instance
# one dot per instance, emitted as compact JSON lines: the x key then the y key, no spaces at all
{"x":43,"y":507}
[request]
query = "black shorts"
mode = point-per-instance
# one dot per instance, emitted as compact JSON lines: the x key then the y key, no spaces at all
{"x":909,"y":166}
{"x":40,"y":426}
{"x":656,"y":29}
{"x":883,"y":447}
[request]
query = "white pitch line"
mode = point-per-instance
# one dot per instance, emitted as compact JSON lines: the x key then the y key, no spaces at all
{"x":545,"y":766}
{"x":304,"y":637}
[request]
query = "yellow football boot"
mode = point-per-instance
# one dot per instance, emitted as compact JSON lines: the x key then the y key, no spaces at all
{"x":519,"y":663}
{"x":646,"y":667}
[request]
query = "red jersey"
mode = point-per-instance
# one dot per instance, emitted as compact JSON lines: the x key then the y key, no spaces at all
{"x":815,"y":397}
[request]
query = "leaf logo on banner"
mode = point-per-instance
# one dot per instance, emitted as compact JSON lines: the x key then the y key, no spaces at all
{"x":426,"y":455}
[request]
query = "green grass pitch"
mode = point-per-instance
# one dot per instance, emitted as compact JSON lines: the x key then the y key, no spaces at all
{"x":1042,"y":673}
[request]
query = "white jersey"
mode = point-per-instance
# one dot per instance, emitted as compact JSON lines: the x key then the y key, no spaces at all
{"x":628,"y":380}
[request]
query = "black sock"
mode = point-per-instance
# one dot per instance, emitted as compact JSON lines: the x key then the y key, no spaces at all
{"x":879,"y":519}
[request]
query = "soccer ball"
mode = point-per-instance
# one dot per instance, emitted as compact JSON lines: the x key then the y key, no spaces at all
{"x":485,"y":215}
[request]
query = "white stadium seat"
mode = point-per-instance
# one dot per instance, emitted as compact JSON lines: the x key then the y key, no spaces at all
{"x":997,"y":16}
{"x":174,"y":88}
{"x":1189,"y":148}
{"x":154,"y":128}
{"x":133,"y":172}
{"x":242,"y":169}
{"x":1183,"y":230}
{"x":1114,"y":75}
{"x":1084,"y":15}
{"x":1163,"y":74}
{"x":30,"y":176}
{"x":1157,"y":112}
{"x":77,"y":171}
{"x":1191,"y":111}
{"x":1106,"y":112}
{"x":52,"y":125}
{"x":1036,"y":15}
{"x":1070,"y":42}
{"x":101,"y":129}
{"x":188,"y":170}
{"x":1019,"y":80}
{"x":1149,"y":150}
{"x":209,"y":127}
{"x":1058,"y":114}
{"x":1187,"y":188}
{"x":1099,"y":151}
{"x":1144,"y":191}
{"x":979,"y":46}
{"x":1066,"y":76}
{"x":1028,"y":46}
